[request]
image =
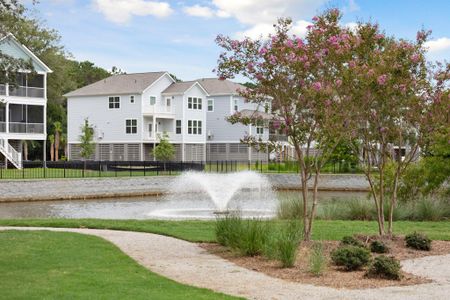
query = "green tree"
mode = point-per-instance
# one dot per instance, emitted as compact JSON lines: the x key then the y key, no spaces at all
{"x":58,"y":130}
{"x":51,"y":139}
{"x":87,"y":140}
{"x":164,"y":151}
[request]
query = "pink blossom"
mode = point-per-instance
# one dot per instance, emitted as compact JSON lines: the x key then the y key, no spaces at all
{"x":263,"y":51}
{"x":250,"y":67}
{"x":352,"y":64}
{"x":259,"y":76}
{"x":317,"y":86}
{"x":371,"y":72}
{"x":299,"y":43}
{"x":289,"y":44}
{"x":415,"y":58}
{"x":309,"y":27}
{"x":379,"y":36}
{"x":276,"y":124}
{"x":315,"y":19}
{"x":327,"y":102}
{"x":273,"y":59}
{"x":338,"y":83}
{"x":382,"y":79}
{"x":402,"y":88}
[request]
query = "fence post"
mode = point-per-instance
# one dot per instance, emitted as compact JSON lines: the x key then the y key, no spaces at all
{"x":99,"y":169}
{"x":115,"y":169}
{"x":129,"y":165}
{"x":43,"y":168}
{"x":23,"y":171}
{"x":261,"y":166}
{"x":64,"y":169}
{"x":144,"y":168}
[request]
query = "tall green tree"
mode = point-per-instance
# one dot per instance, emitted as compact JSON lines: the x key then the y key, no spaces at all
{"x":87,"y":145}
{"x":164,"y":151}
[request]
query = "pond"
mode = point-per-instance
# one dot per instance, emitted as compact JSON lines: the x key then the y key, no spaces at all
{"x":185,"y":206}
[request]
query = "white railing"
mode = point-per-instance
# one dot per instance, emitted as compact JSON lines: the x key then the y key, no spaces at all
{"x":11,"y":154}
{"x":17,"y":127}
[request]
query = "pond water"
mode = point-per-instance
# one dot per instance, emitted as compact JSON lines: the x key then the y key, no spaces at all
{"x":185,"y":206}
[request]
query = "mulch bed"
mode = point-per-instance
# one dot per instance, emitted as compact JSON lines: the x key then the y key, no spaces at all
{"x":333,"y":276}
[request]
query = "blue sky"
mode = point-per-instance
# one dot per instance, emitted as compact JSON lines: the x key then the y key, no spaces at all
{"x":178,"y":36}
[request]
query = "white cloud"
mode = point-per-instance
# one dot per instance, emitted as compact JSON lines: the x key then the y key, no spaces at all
{"x":351,"y":26}
{"x":121,"y":11}
{"x":352,"y":6}
{"x":265,"y":29}
{"x":199,"y":11}
{"x":254,"y":12}
{"x":438,"y":45}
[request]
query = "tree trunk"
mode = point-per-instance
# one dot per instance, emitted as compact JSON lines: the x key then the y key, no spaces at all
{"x":25,"y":150}
{"x":52,"y":151}
{"x":304,"y":185}
{"x":314,"y":205}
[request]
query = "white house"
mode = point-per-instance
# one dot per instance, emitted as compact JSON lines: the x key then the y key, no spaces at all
{"x":130,"y":111}
{"x":23,"y":106}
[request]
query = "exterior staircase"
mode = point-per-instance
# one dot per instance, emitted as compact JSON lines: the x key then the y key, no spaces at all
{"x":10,"y":153}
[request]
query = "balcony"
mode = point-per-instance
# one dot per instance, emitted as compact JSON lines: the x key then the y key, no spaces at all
{"x":2,"y":90}
{"x":24,"y":91}
{"x":2,"y":126}
{"x":18,"y":127}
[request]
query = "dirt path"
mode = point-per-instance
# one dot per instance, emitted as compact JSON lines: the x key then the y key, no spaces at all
{"x":189,"y":264}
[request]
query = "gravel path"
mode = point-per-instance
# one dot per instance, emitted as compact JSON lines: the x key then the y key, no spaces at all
{"x":189,"y":264}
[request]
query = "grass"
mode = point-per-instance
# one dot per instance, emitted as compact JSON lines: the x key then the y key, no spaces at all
{"x":57,"y":265}
{"x":52,"y":173}
{"x":204,"y":231}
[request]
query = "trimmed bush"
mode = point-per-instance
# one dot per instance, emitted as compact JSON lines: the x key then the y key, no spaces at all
{"x":317,"y":260}
{"x":418,"y":241}
{"x":351,"y":241}
{"x":384,"y":267}
{"x":350,"y":257}
{"x":378,"y":247}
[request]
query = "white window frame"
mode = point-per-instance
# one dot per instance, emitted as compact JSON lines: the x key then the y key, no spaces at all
{"x":235,"y":105}
{"x":178,"y":127}
{"x":195,"y":127}
{"x":131,"y":126}
{"x":150,"y":100}
{"x":189,"y":102}
{"x":260,"y":128}
{"x":194,"y":103}
{"x":212,"y":104}
{"x":132,"y":99}
{"x":114,"y":102}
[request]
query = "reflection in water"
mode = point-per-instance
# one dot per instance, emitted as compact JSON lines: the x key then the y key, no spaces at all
{"x":141,"y":208}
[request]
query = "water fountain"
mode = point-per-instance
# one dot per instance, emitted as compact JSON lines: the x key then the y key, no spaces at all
{"x":203,"y":195}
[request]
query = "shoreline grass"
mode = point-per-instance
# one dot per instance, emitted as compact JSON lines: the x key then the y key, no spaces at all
{"x":204,"y":231}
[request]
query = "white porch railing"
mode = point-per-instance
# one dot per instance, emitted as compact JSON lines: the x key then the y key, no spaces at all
{"x":10,"y":153}
{"x":18,"y":127}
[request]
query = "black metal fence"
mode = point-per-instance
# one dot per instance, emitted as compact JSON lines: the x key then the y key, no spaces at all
{"x":85,"y":169}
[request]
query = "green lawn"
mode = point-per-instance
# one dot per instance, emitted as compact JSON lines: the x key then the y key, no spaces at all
{"x":57,"y":265}
{"x":203,"y":231}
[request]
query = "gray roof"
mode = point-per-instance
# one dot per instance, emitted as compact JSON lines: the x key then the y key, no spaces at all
{"x":179,"y":87}
{"x":215,"y":86}
{"x":256,"y":114}
{"x":118,"y":84}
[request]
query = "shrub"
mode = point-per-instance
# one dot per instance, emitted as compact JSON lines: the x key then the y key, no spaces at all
{"x":253,"y":237}
{"x":350,"y":257}
{"x":351,"y":241}
{"x":378,"y":247}
{"x":385,"y":267}
{"x":418,"y":241}
{"x":228,"y":230}
{"x":360,"y":209}
{"x":317,"y":260}
{"x":287,"y":243}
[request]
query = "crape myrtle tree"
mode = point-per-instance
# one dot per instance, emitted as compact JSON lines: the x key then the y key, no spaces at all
{"x":302,"y":78}
{"x":394,"y":106}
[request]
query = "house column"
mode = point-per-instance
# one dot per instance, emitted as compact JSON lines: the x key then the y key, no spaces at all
{"x":154,"y":134}
{"x":7,"y":118}
{"x":250,"y":148}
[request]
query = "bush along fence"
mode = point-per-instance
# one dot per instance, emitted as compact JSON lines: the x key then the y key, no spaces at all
{"x":84,"y":169}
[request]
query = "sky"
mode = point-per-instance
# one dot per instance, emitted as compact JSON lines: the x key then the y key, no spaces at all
{"x":178,"y":36}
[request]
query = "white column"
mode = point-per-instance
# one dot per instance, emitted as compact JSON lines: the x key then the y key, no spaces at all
{"x":7,"y":118}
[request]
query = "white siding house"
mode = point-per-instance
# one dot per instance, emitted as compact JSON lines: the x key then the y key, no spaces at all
{"x":130,"y":112}
{"x":23,"y":105}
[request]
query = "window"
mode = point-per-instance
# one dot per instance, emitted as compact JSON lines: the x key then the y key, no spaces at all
{"x":131,"y":99}
{"x":266,"y":107}
{"x":131,"y":126}
{"x":194,"y":103}
{"x":178,"y":127}
{"x":114,"y":102}
{"x":259,"y":127}
{"x":168,"y":102}
{"x":194,"y":127}
{"x":210,"y":104}
{"x":236,"y":106}
{"x":152,"y":100}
